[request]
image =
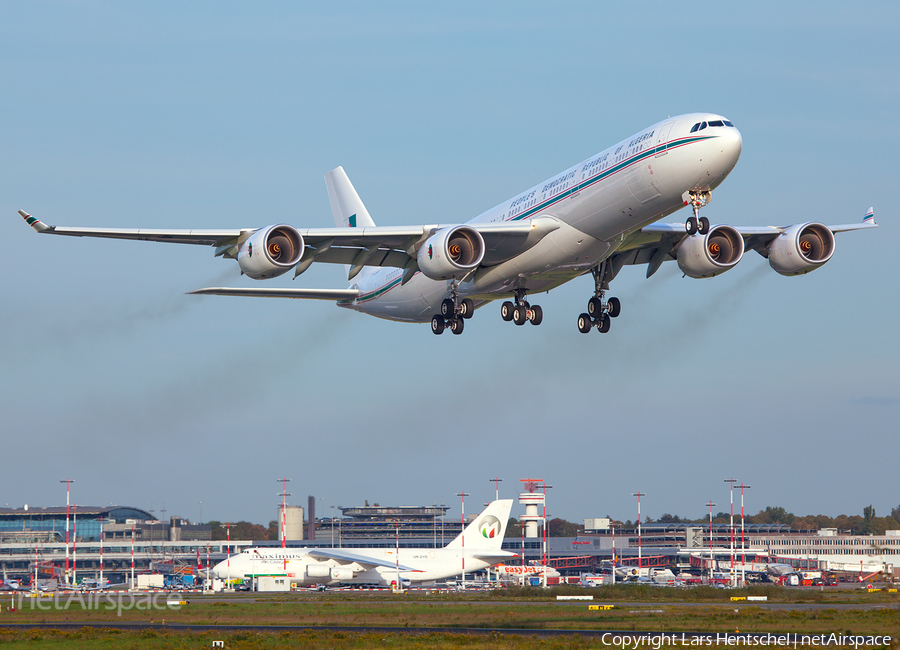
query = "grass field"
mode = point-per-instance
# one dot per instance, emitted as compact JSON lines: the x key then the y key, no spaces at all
{"x":638,"y":608}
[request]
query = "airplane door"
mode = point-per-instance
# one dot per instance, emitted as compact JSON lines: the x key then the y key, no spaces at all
{"x":663,"y":137}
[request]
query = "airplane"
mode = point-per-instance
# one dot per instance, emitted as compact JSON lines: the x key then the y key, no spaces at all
{"x":511,"y":570}
{"x":479,"y":544}
{"x":593,"y":218}
{"x":95,"y":584}
{"x":11,"y":585}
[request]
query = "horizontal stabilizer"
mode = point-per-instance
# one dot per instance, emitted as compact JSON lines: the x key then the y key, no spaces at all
{"x":307,"y":294}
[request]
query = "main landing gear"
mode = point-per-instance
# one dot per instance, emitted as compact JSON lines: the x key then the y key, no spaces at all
{"x":697,"y":224}
{"x":599,"y":311}
{"x":521,"y":311}
{"x":453,"y":312}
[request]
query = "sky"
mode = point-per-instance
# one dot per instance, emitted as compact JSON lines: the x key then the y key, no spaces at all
{"x":227,"y":115}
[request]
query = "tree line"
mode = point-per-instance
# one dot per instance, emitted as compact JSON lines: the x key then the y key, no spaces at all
{"x":866,"y":524}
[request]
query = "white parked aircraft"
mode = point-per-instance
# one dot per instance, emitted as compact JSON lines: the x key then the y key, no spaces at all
{"x":11,"y":585}
{"x":594,"y":217}
{"x":528,"y":570}
{"x":479,"y":544}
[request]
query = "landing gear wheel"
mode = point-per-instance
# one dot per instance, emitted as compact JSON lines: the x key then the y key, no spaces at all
{"x":613,"y":307}
{"x":704,"y":226}
{"x":520,"y":315}
{"x":603,"y":324}
{"x":691,"y":226}
{"x":595,"y":307}
{"x":467,"y":308}
{"x":456,"y":325}
{"x":585,"y":323}
{"x":447,"y":308}
{"x":437,"y":324}
{"x":536,"y":315}
{"x":506,"y":310}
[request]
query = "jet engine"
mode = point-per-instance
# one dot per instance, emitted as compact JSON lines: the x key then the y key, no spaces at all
{"x":341,"y":573}
{"x":318,"y":571}
{"x":801,"y":249}
{"x":705,"y":256}
{"x":270,"y":251}
{"x":450,"y":253}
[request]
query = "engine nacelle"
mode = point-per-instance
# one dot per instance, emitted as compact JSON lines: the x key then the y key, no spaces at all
{"x":341,"y":573}
{"x":705,"y":256}
{"x":801,"y":249}
{"x":270,"y":251}
{"x":450,"y":253}
{"x":318,"y":571}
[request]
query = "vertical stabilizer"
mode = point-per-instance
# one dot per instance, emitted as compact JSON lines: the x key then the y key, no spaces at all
{"x":488,"y":528}
{"x":348,"y":209}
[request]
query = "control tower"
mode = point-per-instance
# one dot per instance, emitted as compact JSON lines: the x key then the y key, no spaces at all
{"x":532,"y":500}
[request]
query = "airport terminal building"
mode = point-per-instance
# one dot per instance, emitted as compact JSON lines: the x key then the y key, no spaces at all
{"x":34,"y":539}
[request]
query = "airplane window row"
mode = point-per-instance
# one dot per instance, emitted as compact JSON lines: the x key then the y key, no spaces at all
{"x":699,"y":126}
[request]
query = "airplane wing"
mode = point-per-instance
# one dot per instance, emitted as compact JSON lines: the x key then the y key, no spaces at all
{"x":370,"y":246}
{"x":658,"y":242}
{"x":308,"y":294}
{"x":345,"y":556}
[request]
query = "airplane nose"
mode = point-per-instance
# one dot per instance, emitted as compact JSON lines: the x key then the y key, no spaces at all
{"x":733,"y":144}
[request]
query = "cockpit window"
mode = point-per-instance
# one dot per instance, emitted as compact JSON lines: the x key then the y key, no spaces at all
{"x":727,"y":123}
{"x":702,"y":125}
{"x":695,"y":127}
{"x":716,"y":123}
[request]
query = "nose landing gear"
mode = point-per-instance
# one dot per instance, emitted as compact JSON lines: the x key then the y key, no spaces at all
{"x":521,"y":311}
{"x":697,"y":199}
{"x":453,"y":312}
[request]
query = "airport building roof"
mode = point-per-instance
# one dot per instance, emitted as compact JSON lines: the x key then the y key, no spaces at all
{"x":395,"y":512}
{"x":48,"y":523}
{"x":107,"y":512}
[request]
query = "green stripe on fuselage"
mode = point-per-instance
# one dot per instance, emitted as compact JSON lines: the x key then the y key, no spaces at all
{"x":603,"y":175}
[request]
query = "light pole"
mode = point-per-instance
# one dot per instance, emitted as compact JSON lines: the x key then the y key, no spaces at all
{"x":68,"y":482}
{"x":284,"y":495}
{"x":332,"y":525}
{"x":74,"y":545}
{"x":397,"y":550}
{"x":743,"y":552}
{"x":544,"y":486}
{"x":462,"y":535}
{"x":101,"y":550}
{"x":732,"y":481}
{"x":496,"y":482}
{"x":340,"y":526}
{"x":228,"y":550}
{"x":710,"y":504}
{"x":200,"y":521}
{"x":613,"y":551}
{"x":639,"y":494}
{"x":132,"y":558}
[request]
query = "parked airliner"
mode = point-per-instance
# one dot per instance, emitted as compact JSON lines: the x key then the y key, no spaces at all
{"x":476,"y":548}
{"x":594,"y":217}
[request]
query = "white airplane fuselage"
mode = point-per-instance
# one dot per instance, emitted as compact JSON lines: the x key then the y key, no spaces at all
{"x":302,"y":569}
{"x":595,"y":204}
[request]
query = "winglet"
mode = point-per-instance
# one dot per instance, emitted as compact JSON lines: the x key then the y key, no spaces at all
{"x":37,"y":224}
{"x":870,"y":216}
